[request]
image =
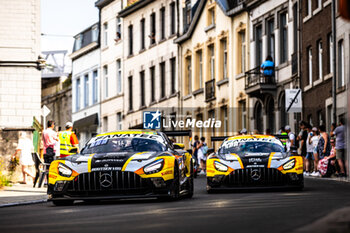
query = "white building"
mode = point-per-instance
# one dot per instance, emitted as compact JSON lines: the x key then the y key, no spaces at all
{"x":20,"y":78}
{"x":150,"y":58}
{"x":86,"y":83}
{"x":112,"y":65}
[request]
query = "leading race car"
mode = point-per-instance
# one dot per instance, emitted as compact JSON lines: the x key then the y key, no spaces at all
{"x":126,"y":164}
{"x":253,"y":161}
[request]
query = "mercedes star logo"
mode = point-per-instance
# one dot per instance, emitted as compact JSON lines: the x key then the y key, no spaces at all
{"x":106,"y":180}
{"x":255,"y":175}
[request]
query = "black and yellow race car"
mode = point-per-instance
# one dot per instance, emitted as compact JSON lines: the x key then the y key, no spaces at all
{"x":118,"y":165}
{"x":253,"y":161}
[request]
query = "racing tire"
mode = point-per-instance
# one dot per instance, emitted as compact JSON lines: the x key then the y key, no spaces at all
{"x":190,"y":184}
{"x":174,"y":187}
{"x":63,"y":202}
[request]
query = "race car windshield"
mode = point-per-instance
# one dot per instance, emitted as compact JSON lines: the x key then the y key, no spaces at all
{"x":241,"y":148}
{"x":123,"y":145}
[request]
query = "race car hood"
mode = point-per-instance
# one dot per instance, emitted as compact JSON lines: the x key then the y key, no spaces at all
{"x":254,"y":159}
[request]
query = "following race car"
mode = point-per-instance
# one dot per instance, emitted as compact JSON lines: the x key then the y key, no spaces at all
{"x":125,"y":164}
{"x":253,"y":161}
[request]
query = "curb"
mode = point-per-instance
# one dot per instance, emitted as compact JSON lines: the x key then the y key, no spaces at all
{"x":346,"y":180}
{"x":23,"y":203}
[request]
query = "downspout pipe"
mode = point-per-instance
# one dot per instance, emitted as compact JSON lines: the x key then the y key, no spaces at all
{"x":334,"y":64}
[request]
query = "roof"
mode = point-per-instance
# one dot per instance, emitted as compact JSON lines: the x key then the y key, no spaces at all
{"x":102,"y":3}
{"x":134,"y":7}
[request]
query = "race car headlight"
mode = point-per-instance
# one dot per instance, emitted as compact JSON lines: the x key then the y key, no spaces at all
{"x":289,"y":165}
{"x":220,"y":167}
{"x":63,"y":170}
{"x":154,"y":167}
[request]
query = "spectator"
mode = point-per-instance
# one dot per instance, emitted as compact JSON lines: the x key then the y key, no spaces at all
{"x":309,"y":151}
{"x":268,"y":67}
{"x":25,"y":149}
{"x":291,"y":138}
{"x":49,"y":137}
{"x":340,"y":133}
{"x":326,"y":165}
{"x":303,"y":139}
{"x":243,"y":131}
{"x":202,"y":155}
{"x":268,"y":132}
{"x":68,"y":141}
{"x":314,"y":141}
{"x":323,"y":147}
{"x":195,"y":150}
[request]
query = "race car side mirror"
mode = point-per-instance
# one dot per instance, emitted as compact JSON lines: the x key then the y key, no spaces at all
{"x":73,"y":150}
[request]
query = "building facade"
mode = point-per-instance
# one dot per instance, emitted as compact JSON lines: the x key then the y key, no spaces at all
{"x":86,"y":84}
{"x":273,"y":31}
{"x":20,"y":77}
{"x":150,"y":59}
{"x":317,"y":65}
{"x":112,"y":65}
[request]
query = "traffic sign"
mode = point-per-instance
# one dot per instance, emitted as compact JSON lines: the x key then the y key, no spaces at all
{"x":45,"y":111}
{"x":293,"y":100}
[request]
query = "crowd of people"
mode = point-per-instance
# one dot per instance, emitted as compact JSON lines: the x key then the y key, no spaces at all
{"x":54,"y":144}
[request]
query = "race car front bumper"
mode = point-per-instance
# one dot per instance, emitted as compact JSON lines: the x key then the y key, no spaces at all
{"x":107,"y":185}
{"x":255,"y":178}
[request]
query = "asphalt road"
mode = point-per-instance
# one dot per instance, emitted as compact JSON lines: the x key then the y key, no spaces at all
{"x":263,"y":211}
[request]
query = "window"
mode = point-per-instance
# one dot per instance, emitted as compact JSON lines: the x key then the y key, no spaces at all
{"x":173,"y":75}
{"x":244,"y":114}
{"x":319,"y":4}
{"x":152,"y":35}
{"x":309,"y":54}
{"x":243,"y":51}
{"x":172,"y":18}
{"x":86,"y":90}
{"x":119,"y":76}
{"x":77,"y":96}
{"x":284,"y":38}
{"x":94,"y":34}
{"x":105,"y":34}
{"x":78,"y":42}
{"x":131,"y":40}
{"x":224,"y":58}
{"x":130,"y":93}
{"x":330,"y":53}
{"x":308,"y":7}
{"x":199,"y":55}
{"x":142,"y":39}
{"x":162,"y":23}
{"x":118,"y":35}
{"x":271,"y":38}
{"x":119,"y":121}
{"x":162,"y":80}
{"x":142,"y":88}
{"x":295,"y":27}
{"x":211,"y":15}
{"x":341,"y":73}
{"x":187,"y":10}
{"x":105,"y":75}
{"x":320,"y":64}
{"x":211,"y":114}
{"x":224,"y":119}
{"x":105,"y":124}
{"x":188,"y":84}
{"x":258,"y":45}
{"x":212,"y":62}
{"x":153,"y":83}
{"x":94,"y":87}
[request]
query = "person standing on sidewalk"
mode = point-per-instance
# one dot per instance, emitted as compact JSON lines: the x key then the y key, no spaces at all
{"x":68,"y":141}
{"x":309,"y":151}
{"x":50,"y":138}
{"x":291,"y":138}
{"x":202,"y":155}
{"x":24,"y":149}
{"x":314,"y":141}
{"x":323,"y":147}
{"x":340,"y":146}
{"x":195,"y":150}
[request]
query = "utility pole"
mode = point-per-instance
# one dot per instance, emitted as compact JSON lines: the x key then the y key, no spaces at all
{"x":334,"y":64}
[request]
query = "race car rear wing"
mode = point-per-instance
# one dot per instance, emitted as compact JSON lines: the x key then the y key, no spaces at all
{"x":178,"y":133}
{"x":222,"y":138}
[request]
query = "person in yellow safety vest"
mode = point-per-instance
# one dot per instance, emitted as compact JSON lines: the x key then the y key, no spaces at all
{"x":68,"y":141}
{"x":284,"y":133}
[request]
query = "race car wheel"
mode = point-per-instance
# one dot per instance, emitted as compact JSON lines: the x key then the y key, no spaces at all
{"x":190,"y":185}
{"x":175,"y":185}
{"x":63,"y":202}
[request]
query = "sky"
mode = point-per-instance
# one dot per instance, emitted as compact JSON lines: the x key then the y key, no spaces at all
{"x":65,"y":19}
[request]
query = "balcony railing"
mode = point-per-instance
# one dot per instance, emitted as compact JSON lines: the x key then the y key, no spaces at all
{"x":257,"y":83}
{"x":210,"y":90}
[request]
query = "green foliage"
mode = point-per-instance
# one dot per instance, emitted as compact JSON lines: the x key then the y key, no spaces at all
{"x":5,"y":180}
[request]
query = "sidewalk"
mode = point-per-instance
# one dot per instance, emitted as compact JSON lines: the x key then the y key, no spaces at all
{"x":22,"y":194}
